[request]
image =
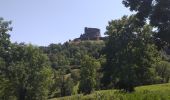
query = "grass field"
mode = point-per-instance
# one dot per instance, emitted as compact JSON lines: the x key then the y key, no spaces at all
{"x":149,"y":92}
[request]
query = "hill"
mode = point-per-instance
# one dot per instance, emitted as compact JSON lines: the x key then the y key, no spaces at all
{"x":70,"y":53}
{"x":149,"y":92}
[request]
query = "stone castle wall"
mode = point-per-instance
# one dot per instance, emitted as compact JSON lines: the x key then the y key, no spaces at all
{"x":90,"y":33}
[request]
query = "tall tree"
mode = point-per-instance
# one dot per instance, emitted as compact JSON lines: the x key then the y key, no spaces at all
{"x":4,"y":58}
{"x":163,"y":70}
{"x":157,"y":11}
{"x":130,"y":54}
{"x":3,"y":81}
{"x":28,"y":73}
{"x":88,"y":74}
{"x":4,"y":38}
{"x":31,"y":73}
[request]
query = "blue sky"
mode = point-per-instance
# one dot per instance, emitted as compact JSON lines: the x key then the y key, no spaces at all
{"x":42,"y":22}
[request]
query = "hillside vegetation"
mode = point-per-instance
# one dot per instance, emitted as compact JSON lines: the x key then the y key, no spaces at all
{"x":149,"y":92}
{"x":133,"y":57}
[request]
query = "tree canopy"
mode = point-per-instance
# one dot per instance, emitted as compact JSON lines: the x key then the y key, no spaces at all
{"x":157,"y":11}
{"x":88,"y":74}
{"x":130,"y":54}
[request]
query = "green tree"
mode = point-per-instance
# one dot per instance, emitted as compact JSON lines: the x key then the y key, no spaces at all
{"x":88,"y":75}
{"x":69,"y":84}
{"x":28,"y":73}
{"x":163,"y":70}
{"x":4,"y":38}
{"x":157,"y":11}
{"x":62,"y":83}
{"x":3,"y":81}
{"x":33,"y":74}
{"x":130,"y":55}
{"x":4,"y":58}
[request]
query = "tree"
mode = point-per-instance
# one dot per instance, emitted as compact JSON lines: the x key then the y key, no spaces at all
{"x":163,"y":70}
{"x":4,"y":83}
{"x":4,"y":59}
{"x":34,"y":74}
{"x":69,"y":84}
{"x":157,"y":11}
{"x":28,"y":73}
{"x":62,"y":83}
{"x":130,"y":55}
{"x":4,"y":38}
{"x":88,"y":75}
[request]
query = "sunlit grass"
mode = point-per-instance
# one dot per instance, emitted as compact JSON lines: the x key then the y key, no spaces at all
{"x":150,"y":92}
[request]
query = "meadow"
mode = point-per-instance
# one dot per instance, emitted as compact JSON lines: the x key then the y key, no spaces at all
{"x":149,"y":92}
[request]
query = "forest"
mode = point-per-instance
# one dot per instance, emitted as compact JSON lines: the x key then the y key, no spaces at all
{"x":135,"y":54}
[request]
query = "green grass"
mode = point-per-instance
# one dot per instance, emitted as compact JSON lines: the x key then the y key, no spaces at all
{"x":150,"y":92}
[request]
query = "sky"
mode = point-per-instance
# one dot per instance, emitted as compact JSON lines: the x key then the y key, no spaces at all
{"x":42,"y":22}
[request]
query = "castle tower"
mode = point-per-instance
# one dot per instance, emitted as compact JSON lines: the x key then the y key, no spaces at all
{"x":91,"y":34}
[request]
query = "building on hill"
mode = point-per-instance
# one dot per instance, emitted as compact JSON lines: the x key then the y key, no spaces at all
{"x":89,"y":34}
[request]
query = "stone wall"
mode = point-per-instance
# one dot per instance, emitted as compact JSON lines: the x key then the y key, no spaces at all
{"x":90,"y":33}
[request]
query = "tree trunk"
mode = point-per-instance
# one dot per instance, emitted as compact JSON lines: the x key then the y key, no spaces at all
{"x":22,"y":94}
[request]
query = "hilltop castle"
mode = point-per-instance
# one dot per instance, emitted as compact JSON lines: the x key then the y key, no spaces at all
{"x":90,"y":34}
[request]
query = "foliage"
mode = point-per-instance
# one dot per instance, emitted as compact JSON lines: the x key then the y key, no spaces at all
{"x":65,"y":61}
{"x":29,"y":73}
{"x":75,"y":75}
{"x":128,"y":58}
{"x":4,"y":38}
{"x":163,"y":70}
{"x":150,"y":92}
{"x":130,"y":55}
{"x":26,"y":74}
{"x":65,"y":83}
{"x":62,"y":84}
{"x":158,"y":13}
{"x":88,"y":75}
{"x":71,"y":53}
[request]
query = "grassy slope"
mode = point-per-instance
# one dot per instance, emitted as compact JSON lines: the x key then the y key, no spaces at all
{"x":150,"y":92}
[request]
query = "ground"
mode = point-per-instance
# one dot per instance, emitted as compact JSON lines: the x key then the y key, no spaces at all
{"x":149,"y":92}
